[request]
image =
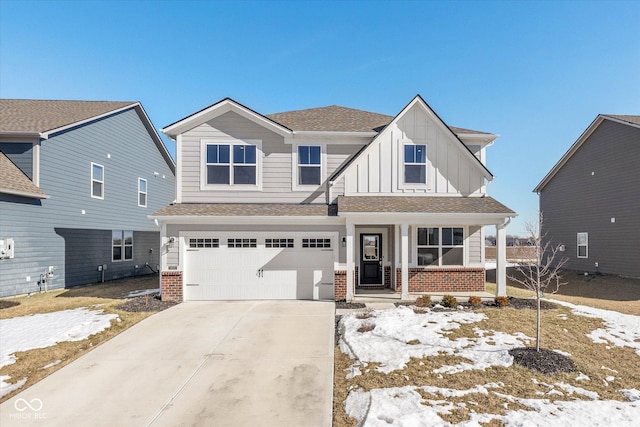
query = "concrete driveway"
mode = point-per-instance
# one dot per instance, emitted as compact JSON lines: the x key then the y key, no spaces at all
{"x":249,"y":363}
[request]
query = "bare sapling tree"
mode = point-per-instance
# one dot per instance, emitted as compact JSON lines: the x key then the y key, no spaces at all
{"x":541,"y":274}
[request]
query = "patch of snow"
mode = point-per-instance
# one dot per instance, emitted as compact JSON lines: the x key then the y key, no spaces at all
{"x":583,"y":377}
{"x":6,"y":387}
{"x":608,"y":369}
{"x":578,"y":390}
{"x":52,"y":364}
{"x":353,"y":371}
{"x":564,"y":353}
{"x":632,"y":394}
{"x":404,"y":406}
{"x":44,"y":330}
{"x":621,"y":330}
{"x":491,"y":265}
{"x":610,"y":378}
{"x":140,"y":293}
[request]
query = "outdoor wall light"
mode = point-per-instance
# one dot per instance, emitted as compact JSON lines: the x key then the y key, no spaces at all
{"x":344,"y":241}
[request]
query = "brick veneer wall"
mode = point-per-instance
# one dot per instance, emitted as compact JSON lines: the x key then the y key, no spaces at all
{"x":172,"y":286}
{"x":340,"y":283}
{"x":387,"y":276}
{"x":454,"y":279}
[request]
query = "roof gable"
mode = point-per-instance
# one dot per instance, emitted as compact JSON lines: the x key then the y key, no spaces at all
{"x":627,"y":120}
{"x":419,"y":101}
{"x":218,"y":109}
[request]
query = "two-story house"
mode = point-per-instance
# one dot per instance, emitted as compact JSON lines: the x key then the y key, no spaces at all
{"x":318,"y":203}
{"x":78,"y":180}
{"x":590,"y":199}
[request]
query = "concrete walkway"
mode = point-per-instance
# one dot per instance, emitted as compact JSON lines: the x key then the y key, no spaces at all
{"x":250,"y":363}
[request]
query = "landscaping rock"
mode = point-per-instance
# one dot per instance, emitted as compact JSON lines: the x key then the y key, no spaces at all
{"x":544,"y":361}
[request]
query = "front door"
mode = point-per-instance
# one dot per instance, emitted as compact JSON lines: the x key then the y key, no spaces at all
{"x":371,"y":259}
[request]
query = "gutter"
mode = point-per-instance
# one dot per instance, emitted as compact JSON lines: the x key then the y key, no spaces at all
{"x":25,"y":194}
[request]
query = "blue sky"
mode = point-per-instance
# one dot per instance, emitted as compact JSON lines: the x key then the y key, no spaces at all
{"x":536,"y":73}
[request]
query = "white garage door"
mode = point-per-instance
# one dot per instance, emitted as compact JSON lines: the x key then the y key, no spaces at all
{"x":258,"y":266}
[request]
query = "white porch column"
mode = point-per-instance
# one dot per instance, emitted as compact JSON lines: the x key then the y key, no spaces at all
{"x":351,"y":231}
{"x":404,"y":263}
{"x":501,"y":259}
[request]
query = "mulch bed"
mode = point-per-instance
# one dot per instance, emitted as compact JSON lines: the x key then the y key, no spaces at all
{"x":544,"y":361}
{"x":144,"y":304}
{"x":350,"y":305}
{"x":518,"y":303}
{"x":8,"y":304}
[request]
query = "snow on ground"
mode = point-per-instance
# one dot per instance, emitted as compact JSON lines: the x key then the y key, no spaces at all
{"x":388,"y":345}
{"x":622,"y":330}
{"x":404,"y":406}
{"x":491,"y":265}
{"x":388,"y":342}
{"x":134,"y":294}
{"x":44,"y":330}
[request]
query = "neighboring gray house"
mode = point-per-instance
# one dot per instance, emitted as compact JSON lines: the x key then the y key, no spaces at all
{"x":78,"y":180}
{"x":325,"y":202}
{"x":591,"y":198}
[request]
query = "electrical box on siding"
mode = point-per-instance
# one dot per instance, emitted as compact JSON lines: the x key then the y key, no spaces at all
{"x":6,"y":248}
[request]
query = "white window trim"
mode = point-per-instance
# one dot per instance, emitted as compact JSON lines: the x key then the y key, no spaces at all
{"x":295,"y":186}
{"x":413,"y":185}
{"x":586,"y":245}
{"x":96,"y":180}
{"x":122,"y":246}
{"x":465,"y":246}
{"x":231,"y":186}
{"x":146,"y":200}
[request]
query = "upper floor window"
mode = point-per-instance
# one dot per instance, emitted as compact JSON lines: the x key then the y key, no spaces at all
{"x":415,"y":164}
{"x":231,"y":164}
{"x":440,"y":246}
{"x":122,"y":245}
{"x":97,"y":181}
{"x":583,"y":245}
{"x":142,"y":192}
{"x":309,"y":165}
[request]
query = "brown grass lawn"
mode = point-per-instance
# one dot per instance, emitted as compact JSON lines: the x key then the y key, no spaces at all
{"x":104,"y":296}
{"x":561,"y":330}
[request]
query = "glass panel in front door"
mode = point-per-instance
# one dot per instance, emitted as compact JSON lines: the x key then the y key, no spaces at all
{"x":370,"y":248}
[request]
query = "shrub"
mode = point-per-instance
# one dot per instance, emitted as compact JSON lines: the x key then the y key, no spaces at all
{"x":449,"y":301}
{"x":423,"y":301}
{"x":420,"y":310}
{"x":475,"y":301}
{"x":502,"y":301}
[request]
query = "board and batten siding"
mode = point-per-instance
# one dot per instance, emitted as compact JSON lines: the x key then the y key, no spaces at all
{"x":120,"y":143}
{"x":599,"y":182}
{"x":277,"y":168}
{"x":450,"y":170}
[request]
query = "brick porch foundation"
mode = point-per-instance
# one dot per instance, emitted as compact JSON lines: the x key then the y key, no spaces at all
{"x":454,"y":279}
{"x":340,"y":283}
{"x":172,"y":286}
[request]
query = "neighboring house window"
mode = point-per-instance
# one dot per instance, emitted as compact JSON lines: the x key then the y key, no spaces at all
{"x":97,"y":181}
{"x":231,"y":164}
{"x":440,"y":246}
{"x":122,"y":245}
{"x":309,"y":165}
{"x":415,"y":164}
{"x":142,"y":192}
{"x":583,"y":245}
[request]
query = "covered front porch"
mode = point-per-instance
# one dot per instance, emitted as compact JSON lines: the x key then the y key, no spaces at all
{"x":400,"y":255}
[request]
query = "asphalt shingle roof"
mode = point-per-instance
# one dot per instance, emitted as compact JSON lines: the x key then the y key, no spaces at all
{"x":340,"y":119}
{"x":246,"y":209}
{"x":33,"y":115}
{"x":631,"y":119}
{"x":428,"y":204}
{"x":13,"y":180}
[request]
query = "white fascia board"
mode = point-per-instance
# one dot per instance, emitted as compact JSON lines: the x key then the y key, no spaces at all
{"x":569,"y":153}
{"x":254,"y":220}
{"x":165,"y":153}
{"x":25,"y":194}
{"x":217,"y":110}
{"x":361,"y":218}
{"x":45,"y":135}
